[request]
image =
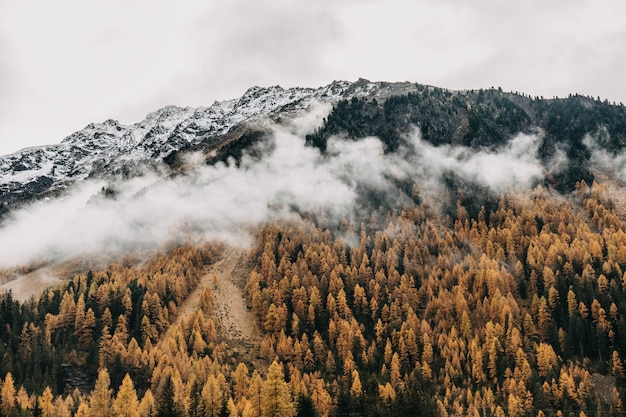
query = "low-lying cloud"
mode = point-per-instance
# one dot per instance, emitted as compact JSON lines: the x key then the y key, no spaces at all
{"x":227,"y":200}
{"x":611,"y":163}
{"x":514,"y":166}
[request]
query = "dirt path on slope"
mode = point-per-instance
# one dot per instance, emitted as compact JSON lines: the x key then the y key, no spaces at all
{"x":235,"y":324}
{"x":229,"y":277}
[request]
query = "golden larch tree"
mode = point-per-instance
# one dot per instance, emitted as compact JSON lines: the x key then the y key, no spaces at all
{"x":126,"y":403}
{"x":46,"y":403}
{"x":212,"y":397}
{"x":276,"y":400}
{"x":100,"y":400}
{"x":8,"y":395}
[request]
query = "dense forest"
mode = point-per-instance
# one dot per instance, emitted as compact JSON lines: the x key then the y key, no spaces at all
{"x":507,"y":305}
{"x":519,"y":311}
{"x":484,"y":119}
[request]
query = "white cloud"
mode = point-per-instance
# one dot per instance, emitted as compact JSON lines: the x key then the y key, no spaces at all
{"x":613,"y":164}
{"x":514,"y":166}
{"x":228,"y":200}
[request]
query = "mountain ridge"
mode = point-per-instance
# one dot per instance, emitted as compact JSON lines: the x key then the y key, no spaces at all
{"x":110,"y":147}
{"x":475,"y":118}
{"x":110,"y":140}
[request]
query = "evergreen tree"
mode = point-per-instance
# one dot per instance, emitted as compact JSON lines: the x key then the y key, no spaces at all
{"x":276,"y":400}
{"x":305,"y":407}
{"x":126,"y":403}
{"x":166,"y":405}
{"x":196,"y":408}
{"x":100,"y":401}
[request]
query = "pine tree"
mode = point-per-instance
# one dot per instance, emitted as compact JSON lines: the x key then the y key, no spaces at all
{"x":166,"y":406}
{"x":126,"y":403}
{"x":196,"y":408}
{"x":305,"y":407}
{"x":100,"y":400}
{"x":276,"y":400}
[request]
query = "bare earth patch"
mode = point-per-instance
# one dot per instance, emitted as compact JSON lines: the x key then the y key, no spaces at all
{"x":35,"y":282}
{"x":32,"y":280}
{"x":235,"y":323}
{"x":603,"y":386}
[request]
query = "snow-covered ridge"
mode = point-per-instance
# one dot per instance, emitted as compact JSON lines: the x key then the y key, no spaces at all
{"x":101,"y":149}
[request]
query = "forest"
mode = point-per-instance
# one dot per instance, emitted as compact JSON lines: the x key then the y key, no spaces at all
{"x":476,"y":304}
{"x":517,"y":311}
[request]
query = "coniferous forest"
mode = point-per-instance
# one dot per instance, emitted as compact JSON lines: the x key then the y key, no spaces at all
{"x":518,"y":311}
{"x":511,"y":305}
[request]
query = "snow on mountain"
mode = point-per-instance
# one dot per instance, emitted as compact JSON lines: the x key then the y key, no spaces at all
{"x":102,"y":149}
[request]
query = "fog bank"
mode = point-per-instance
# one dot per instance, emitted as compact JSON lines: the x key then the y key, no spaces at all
{"x":228,"y":201}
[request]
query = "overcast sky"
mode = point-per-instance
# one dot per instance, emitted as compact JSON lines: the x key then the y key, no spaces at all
{"x":67,"y":63}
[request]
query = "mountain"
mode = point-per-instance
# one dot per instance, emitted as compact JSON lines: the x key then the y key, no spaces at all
{"x":366,"y":248}
{"x":477,"y":118}
{"x":110,"y":148}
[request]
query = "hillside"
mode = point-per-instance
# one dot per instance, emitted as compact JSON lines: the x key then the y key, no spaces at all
{"x":360,"y":249}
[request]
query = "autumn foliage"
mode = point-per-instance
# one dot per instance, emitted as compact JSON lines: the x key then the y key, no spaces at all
{"x":516,"y":311}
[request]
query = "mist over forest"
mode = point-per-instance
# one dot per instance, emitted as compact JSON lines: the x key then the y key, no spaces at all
{"x":397,"y":250}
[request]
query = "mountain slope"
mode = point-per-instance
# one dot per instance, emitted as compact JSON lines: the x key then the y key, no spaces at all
{"x":481,"y":118}
{"x":411,"y":251}
{"x":109,"y":148}
{"x":487,"y":119}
